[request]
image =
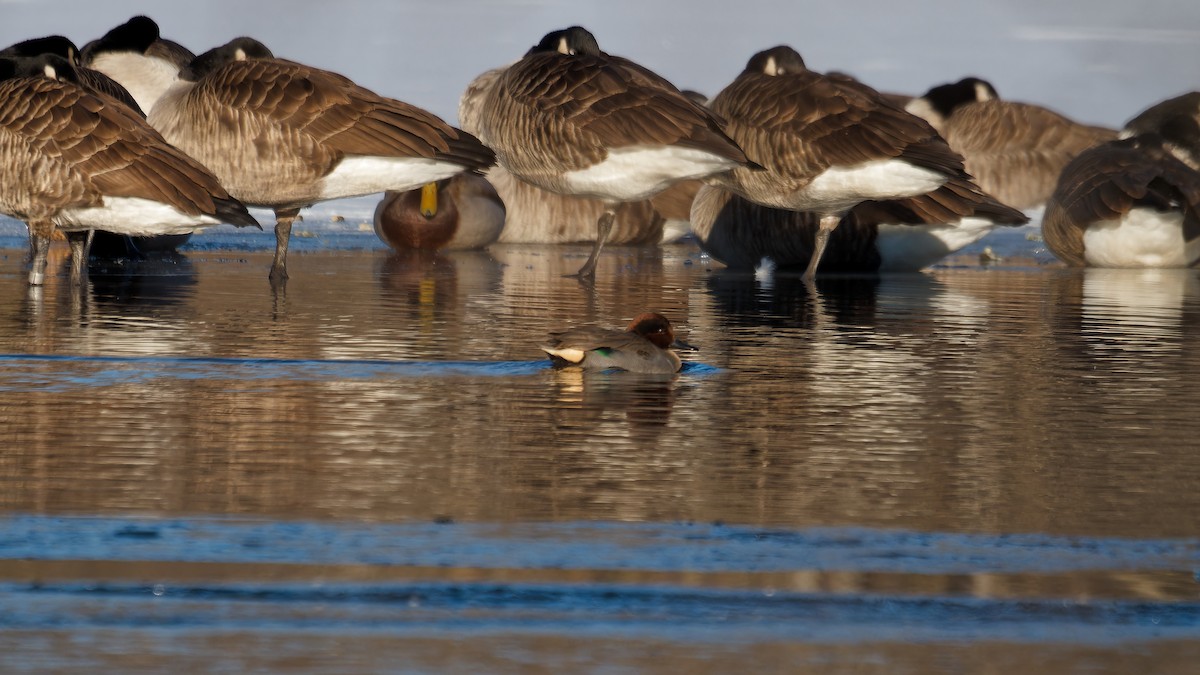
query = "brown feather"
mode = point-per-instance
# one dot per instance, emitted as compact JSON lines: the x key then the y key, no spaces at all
{"x":581,"y":106}
{"x":802,"y":123}
{"x":76,"y":147}
{"x":1016,"y":151}
{"x":1107,"y":181}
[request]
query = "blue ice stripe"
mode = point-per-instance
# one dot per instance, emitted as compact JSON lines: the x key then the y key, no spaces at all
{"x":579,"y":545}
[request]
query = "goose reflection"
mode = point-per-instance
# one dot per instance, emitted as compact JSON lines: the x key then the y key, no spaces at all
{"x":1134,"y":312}
{"x":120,"y":293}
{"x":784,"y":299}
{"x":109,"y":245}
{"x":124,"y":308}
{"x":160,"y":279}
{"x":1125,"y":337}
{"x":534,"y":279}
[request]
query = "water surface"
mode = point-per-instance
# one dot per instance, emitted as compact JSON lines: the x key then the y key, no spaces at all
{"x":375,"y":470}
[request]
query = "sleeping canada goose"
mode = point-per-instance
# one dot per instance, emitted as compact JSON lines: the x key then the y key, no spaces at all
{"x":79,"y":161}
{"x":135,"y":55}
{"x":94,"y":80}
{"x":283,"y":135}
{"x":146,"y":63}
{"x":828,"y":144}
{"x":902,"y":235}
{"x":462,"y":212}
{"x":574,"y":120}
{"x":1133,"y":202}
{"x":104,"y":244}
{"x":1014,"y":150}
{"x":936,"y":105}
{"x":537,"y":216}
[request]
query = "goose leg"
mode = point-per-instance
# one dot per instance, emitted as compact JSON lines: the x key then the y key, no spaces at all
{"x":32,"y":244}
{"x":80,"y":243}
{"x":603,"y":228}
{"x":283,"y":234}
{"x":827,"y":226}
{"x":39,"y":240}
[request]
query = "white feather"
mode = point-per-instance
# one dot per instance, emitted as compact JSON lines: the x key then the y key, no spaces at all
{"x":146,"y":77}
{"x":132,"y":216}
{"x":358,"y":175}
{"x":840,"y":188}
{"x":631,"y":174}
{"x":1143,"y":238}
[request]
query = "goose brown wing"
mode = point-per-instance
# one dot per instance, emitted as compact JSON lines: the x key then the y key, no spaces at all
{"x":118,"y":154}
{"x":597,"y":102}
{"x":997,"y":127}
{"x":803,"y":123}
{"x":27,"y":119}
{"x":1105,"y":182}
{"x":337,"y":113}
{"x":1017,"y":150}
{"x":953,"y":201}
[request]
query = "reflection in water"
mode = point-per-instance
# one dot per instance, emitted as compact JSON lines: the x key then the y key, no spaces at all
{"x":1002,"y":402}
{"x":954,"y":400}
{"x":1141,"y":310}
{"x":164,"y":278}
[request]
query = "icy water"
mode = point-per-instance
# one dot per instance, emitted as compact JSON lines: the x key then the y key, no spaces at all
{"x":990,"y":469}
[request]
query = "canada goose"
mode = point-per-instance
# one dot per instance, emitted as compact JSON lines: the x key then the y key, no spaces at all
{"x":1133,"y":202}
{"x":537,"y":216}
{"x":135,"y":55}
{"x":63,"y":47}
{"x":93,"y":80}
{"x":104,"y":244}
{"x":283,"y":135}
{"x":936,"y":105}
{"x":144,"y":62}
{"x":675,"y":203}
{"x":828,"y":144}
{"x":462,"y":212}
{"x":1014,"y":150}
{"x":79,"y":161}
{"x":574,"y":120}
{"x":902,"y":235}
